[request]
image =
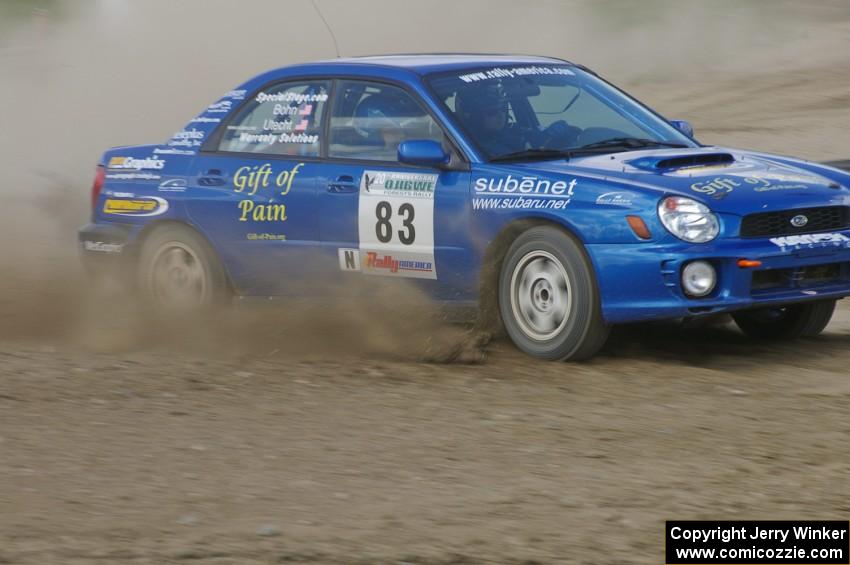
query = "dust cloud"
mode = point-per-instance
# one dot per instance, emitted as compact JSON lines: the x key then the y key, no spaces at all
{"x":81,"y":76}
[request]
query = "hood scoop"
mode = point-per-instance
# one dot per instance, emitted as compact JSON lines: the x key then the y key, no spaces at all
{"x":672,"y":162}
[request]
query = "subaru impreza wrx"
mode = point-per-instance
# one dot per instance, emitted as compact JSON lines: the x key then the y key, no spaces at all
{"x":525,"y":186}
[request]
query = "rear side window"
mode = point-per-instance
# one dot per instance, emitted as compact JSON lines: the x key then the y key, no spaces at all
{"x":369,"y":121}
{"x":284,"y":119}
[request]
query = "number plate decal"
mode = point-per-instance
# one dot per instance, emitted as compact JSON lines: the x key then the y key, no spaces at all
{"x":396,"y":224}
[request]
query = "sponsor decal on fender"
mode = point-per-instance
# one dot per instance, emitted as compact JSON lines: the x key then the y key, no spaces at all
{"x":615,"y":199}
{"x":135,"y":164}
{"x":524,"y":192}
{"x":142,"y":206}
{"x":525,"y":186}
{"x":173,"y":185}
{"x":519,"y":202}
{"x":132,"y":176}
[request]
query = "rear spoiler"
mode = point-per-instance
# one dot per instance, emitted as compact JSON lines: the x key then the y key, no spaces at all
{"x":839,"y":164}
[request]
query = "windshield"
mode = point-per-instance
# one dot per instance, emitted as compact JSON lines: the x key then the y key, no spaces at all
{"x":546,"y":110}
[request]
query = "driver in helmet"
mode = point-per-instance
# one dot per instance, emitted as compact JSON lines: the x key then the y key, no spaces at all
{"x":483,"y":111}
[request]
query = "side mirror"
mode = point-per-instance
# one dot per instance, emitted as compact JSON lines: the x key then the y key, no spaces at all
{"x":422,"y":152}
{"x":683,"y":126}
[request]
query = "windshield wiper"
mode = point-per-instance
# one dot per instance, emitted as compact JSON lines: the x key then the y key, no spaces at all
{"x":604,"y":145}
{"x":625,"y":143}
{"x":532,"y":154}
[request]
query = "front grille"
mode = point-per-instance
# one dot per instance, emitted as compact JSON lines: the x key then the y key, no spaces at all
{"x":770,"y":224}
{"x":799,"y":277}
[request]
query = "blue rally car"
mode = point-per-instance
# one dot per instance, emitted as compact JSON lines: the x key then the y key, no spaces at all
{"x":528,"y":187}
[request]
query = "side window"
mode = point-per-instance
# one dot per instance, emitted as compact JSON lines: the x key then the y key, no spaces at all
{"x":370,"y":120}
{"x":284,"y":119}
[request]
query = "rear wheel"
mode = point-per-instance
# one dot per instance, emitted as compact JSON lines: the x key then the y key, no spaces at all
{"x":786,"y":322}
{"x":548,"y":298}
{"x":179,"y":272}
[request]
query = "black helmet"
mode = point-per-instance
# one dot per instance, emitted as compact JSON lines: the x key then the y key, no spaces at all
{"x":477,"y":101}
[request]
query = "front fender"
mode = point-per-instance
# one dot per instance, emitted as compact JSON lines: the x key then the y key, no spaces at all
{"x":593,"y":208}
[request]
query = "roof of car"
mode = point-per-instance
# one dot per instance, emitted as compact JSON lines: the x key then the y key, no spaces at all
{"x":399,"y":67}
{"x":435,"y":62}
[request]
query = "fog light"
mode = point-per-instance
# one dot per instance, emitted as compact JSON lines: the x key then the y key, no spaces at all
{"x":698,"y":278}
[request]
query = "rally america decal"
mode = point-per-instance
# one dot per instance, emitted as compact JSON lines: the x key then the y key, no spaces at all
{"x":395,"y":225}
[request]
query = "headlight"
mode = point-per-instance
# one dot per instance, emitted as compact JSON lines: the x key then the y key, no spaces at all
{"x":688,"y":219}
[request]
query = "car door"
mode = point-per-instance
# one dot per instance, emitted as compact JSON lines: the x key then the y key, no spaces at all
{"x":254,"y":187}
{"x":380,"y":217}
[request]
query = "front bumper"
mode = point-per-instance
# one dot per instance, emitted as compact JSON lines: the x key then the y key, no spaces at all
{"x":643,"y":281}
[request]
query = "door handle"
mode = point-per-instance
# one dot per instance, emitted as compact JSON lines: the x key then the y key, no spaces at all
{"x":213,"y":177}
{"x":342,"y":184}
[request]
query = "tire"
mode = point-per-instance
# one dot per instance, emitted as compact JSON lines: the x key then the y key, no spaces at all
{"x":786,"y":322}
{"x":179,"y":273}
{"x":548,"y":299}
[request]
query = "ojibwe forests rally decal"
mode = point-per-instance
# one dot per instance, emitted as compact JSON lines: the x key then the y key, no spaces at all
{"x":395,"y":225}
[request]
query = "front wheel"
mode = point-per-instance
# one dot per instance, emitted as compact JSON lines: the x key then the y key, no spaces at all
{"x":786,"y":322}
{"x":548,"y":298}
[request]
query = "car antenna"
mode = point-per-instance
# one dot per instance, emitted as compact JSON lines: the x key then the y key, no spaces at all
{"x":318,"y":11}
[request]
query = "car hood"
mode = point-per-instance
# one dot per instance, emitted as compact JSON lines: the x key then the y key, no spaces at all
{"x":727,"y":180}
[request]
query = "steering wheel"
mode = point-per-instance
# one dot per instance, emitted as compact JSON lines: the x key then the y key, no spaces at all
{"x":557,"y":131}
